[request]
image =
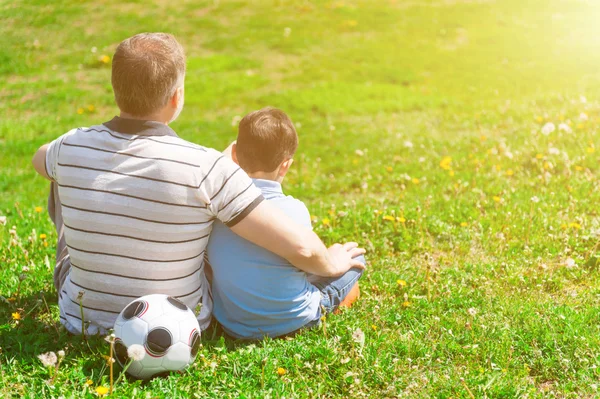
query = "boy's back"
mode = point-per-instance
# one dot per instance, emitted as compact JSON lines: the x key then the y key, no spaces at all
{"x":257,"y":293}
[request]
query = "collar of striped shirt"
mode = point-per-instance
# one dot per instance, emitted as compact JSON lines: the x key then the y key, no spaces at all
{"x":139,"y":127}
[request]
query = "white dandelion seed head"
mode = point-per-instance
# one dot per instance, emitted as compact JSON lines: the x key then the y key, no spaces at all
{"x":583,"y":116}
{"x":61,"y":353}
{"x":565,"y":128}
{"x":553,"y":151}
{"x":408,"y":144}
{"x":358,"y":336}
{"x":535,"y":199}
{"x":548,"y":128}
{"x":136,"y":352}
{"x":48,"y":359}
{"x":570,"y":263}
{"x":472,"y":311}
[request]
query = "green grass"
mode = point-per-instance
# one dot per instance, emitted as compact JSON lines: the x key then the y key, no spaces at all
{"x":501,"y":291}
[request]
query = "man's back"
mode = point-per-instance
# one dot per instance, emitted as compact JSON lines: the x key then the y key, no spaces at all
{"x":255,"y":292}
{"x":138,"y":205}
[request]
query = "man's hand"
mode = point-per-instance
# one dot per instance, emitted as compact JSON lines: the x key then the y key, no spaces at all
{"x":343,"y":256}
{"x":268,"y":227}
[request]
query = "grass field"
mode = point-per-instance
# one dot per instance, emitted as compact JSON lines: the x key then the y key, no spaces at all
{"x":424,"y":135}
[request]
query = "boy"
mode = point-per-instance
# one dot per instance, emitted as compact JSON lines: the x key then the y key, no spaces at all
{"x":255,"y":292}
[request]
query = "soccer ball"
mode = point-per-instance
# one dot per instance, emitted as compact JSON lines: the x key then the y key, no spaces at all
{"x":166,"y":328}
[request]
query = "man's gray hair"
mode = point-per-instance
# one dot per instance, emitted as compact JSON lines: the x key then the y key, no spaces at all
{"x":146,"y":70}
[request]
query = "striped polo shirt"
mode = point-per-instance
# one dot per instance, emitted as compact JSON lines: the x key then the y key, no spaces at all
{"x":138,"y":204}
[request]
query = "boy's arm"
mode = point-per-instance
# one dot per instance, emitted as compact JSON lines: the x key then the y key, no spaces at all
{"x":270,"y":228}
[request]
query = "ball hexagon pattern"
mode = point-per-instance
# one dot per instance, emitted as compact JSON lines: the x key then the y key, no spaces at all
{"x":167,"y":330}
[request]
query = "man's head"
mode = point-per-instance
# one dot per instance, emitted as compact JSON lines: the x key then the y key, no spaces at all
{"x":148,"y":72}
{"x":266,"y":144}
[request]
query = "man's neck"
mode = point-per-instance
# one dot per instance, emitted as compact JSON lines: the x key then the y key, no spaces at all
{"x":153,"y":117}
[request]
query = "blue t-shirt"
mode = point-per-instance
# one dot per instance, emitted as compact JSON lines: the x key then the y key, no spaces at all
{"x":255,"y":292}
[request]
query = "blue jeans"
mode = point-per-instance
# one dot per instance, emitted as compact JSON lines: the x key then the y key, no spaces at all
{"x":334,"y":289}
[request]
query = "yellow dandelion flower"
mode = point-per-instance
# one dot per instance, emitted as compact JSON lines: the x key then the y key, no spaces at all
{"x":91,"y":108}
{"x":89,"y":382}
{"x":46,"y":244}
{"x":331,"y":212}
{"x":580,"y":126}
{"x":80,"y":111}
{"x":539,"y":119}
{"x":350,"y":23}
{"x":482,"y":137}
{"x":561,"y":118}
{"x":451,"y":173}
{"x":563,"y":226}
{"x":16,"y":316}
{"x":406,"y":304}
{"x":509,"y":172}
{"x":389,"y":168}
{"x":575,"y":225}
{"x":498,"y":167}
{"x":101,"y":391}
{"x":42,"y":236}
{"x":281,"y":371}
{"x":373,"y":327}
{"x":464,"y":224}
{"x":401,"y":283}
{"x":578,"y":168}
{"x":39,"y":209}
{"x":497,"y":199}
{"x":539,"y":156}
{"x":325,"y":222}
{"x":389,"y":218}
{"x":105,"y":59}
{"x":446,"y":163}
{"x":590,"y":150}
{"x":415,"y":180}
{"x":401,"y":220}
{"x":355,"y":161}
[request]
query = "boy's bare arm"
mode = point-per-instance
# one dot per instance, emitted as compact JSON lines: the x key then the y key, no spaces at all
{"x":270,"y":228}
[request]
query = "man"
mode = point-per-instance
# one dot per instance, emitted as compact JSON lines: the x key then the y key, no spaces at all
{"x":134,"y":204}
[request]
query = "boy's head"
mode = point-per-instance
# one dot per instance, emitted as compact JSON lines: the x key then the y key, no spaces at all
{"x":148,"y":72}
{"x":266,"y":144}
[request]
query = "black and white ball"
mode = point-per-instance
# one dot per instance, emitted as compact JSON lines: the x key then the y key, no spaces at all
{"x":166,"y":328}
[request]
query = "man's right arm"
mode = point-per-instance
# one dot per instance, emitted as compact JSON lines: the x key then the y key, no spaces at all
{"x":268,"y":227}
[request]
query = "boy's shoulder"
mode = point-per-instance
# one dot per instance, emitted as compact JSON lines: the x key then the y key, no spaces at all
{"x":295,"y":209}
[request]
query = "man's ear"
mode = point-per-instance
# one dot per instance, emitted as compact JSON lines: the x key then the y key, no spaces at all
{"x":177,"y":97}
{"x":284,"y":167}
{"x":234,"y":153}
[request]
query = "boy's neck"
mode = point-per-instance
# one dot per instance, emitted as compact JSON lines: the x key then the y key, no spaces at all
{"x":273,"y":176}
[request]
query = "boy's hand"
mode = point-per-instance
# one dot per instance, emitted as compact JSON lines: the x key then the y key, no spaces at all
{"x":227,"y":151}
{"x":343,"y":256}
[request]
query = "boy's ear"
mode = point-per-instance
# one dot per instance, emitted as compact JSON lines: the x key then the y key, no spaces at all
{"x":285,"y":166}
{"x":234,"y":153}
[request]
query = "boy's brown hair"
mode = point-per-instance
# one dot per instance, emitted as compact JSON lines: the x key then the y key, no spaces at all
{"x":266,"y":138}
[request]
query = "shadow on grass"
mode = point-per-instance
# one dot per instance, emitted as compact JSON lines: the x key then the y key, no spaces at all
{"x":39,"y":331}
